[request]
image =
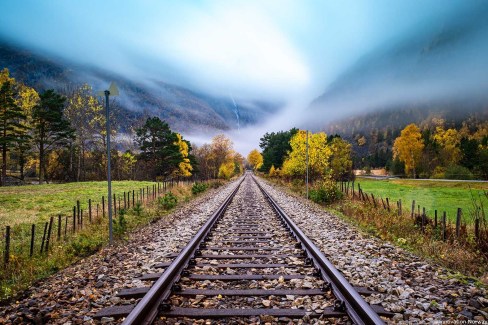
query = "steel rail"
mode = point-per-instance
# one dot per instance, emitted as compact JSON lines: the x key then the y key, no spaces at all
{"x":355,"y":306}
{"x":147,"y":309}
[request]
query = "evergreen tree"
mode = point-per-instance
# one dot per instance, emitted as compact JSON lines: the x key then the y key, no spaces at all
{"x":12,"y":131}
{"x":51,"y":129}
{"x":275,"y":148}
{"x":159,"y":147}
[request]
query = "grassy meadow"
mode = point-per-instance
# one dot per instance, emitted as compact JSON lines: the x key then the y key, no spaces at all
{"x":433,"y":195}
{"x":20,"y":207}
{"x":36,"y":203}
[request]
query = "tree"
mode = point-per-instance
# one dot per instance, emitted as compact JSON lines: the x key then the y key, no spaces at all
{"x":272,"y":171}
{"x":238,"y":163}
{"x":340,"y":159}
{"x":275,"y":148}
{"x":184,"y":167}
{"x":51,"y":129}
{"x":255,"y":159}
{"x":221,"y":152}
{"x":84,"y":111}
{"x":159,"y":147}
{"x":408,"y":147}
{"x":227,"y":169}
{"x":27,"y":99}
{"x":449,"y":141}
{"x":12,"y":131}
{"x":318,"y":155}
{"x":203,"y":160}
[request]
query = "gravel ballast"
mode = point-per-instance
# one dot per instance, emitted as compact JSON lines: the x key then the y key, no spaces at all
{"x":416,"y":290}
{"x":75,"y":294}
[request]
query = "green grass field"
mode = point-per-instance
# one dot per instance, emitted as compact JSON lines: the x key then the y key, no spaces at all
{"x":433,"y":195}
{"x":20,"y":207}
{"x":36,"y":203}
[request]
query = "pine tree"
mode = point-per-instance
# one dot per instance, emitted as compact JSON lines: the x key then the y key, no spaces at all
{"x":51,"y":129}
{"x":159,"y":147}
{"x":12,"y":131}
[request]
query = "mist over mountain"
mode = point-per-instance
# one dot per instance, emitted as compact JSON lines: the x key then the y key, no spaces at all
{"x":185,"y":110}
{"x":437,"y":67}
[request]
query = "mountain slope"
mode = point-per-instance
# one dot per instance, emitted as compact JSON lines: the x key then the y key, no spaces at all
{"x":431,"y":66}
{"x":186,"y":111}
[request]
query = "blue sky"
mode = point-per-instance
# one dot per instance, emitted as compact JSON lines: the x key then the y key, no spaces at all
{"x":271,"y":48}
{"x":289,"y":51}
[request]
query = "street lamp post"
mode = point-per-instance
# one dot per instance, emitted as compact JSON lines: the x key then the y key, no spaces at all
{"x":306,"y":158}
{"x":112,"y":90}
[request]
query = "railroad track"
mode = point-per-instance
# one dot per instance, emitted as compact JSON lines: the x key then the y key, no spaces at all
{"x":248,"y":263}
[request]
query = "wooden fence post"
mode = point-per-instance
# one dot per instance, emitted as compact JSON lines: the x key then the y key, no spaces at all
{"x":413,"y":209}
{"x":477,"y":228}
{"x":435,"y":219}
{"x":103,"y":206}
{"x":388,"y":204}
{"x":89,"y":210}
{"x":115,"y":206}
{"x":423,"y":220}
{"x":44,"y":236}
{"x":59,"y":227}
{"x":66,"y":227}
{"x":33,"y":233}
{"x":74,"y":220}
{"x":133,"y":202}
{"x":6,"y":257}
{"x":444,"y":226}
{"x":458,"y":221}
{"x":51,"y":220}
{"x":78,"y":210}
{"x":374,"y":200}
{"x":400,"y":212}
{"x":125,"y":200}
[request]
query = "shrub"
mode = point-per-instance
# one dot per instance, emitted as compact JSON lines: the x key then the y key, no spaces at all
{"x":138,"y":209}
{"x":216,"y":184}
{"x":198,"y":188}
{"x":367,"y":170}
{"x":458,"y":172}
{"x":120,"y":224}
{"x":439,"y":172}
{"x":325,"y":191}
{"x":168,"y":201}
{"x":84,"y":246}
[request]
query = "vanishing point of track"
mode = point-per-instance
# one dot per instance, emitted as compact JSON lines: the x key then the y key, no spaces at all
{"x":247,"y":251}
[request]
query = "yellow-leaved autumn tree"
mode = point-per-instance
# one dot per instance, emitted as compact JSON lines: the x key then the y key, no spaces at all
{"x":340,"y":160}
{"x":408,"y":147}
{"x":227,"y":169}
{"x":273,"y":171}
{"x":318,"y":155}
{"x":221,"y":152}
{"x":255,"y":159}
{"x":184,"y":168}
{"x":449,"y":141}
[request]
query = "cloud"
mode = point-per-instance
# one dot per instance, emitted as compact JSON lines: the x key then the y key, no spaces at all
{"x":289,"y":51}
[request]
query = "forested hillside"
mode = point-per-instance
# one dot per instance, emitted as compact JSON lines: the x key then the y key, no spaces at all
{"x":184,"y":110}
{"x":373,"y":135}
